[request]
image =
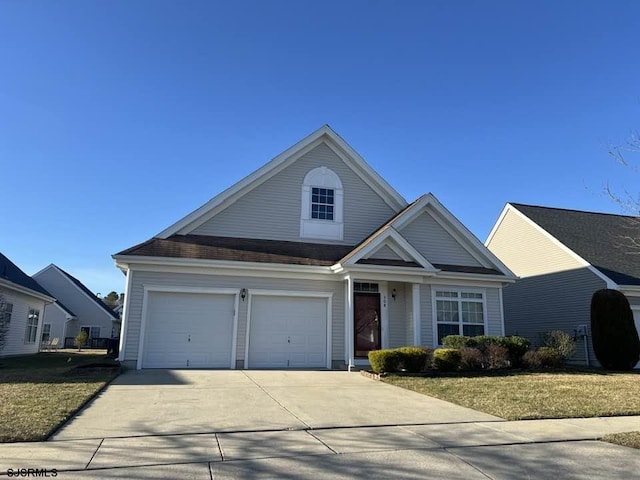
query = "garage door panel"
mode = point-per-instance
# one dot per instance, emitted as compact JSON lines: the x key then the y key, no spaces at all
{"x":188,"y":330}
{"x":288,"y":331}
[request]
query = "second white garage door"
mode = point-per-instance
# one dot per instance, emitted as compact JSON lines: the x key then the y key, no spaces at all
{"x":188,"y":330}
{"x":288,"y":332}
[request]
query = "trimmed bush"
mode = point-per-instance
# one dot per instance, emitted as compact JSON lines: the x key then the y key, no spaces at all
{"x":459,"y":341}
{"x":564,"y":343}
{"x":614,"y":335}
{"x":497,"y":357}
{"x":446,"y":359}
{"x":517,"y":347}
{"x":413,"y":359}
{"x":543,"y":357}
{"x":471,"y":359}
{"x":387,"y":360}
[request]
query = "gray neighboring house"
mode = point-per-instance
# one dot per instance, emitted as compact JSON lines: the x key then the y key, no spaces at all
{"x":77,"y":308}
{"x":22,"y":308}
{"x":562,"y":257}
{"x":311,"y":261}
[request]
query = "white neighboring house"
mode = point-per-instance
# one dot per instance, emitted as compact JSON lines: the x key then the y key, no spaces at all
{"x":77,"y":309}
{"x":312,"y":261}
{"x":23,"y":305}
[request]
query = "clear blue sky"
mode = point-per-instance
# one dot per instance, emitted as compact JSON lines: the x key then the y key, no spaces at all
{"x":117,"y":118}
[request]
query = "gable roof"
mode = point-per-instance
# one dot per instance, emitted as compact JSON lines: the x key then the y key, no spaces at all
{"x":607,"y":241}
{"x":82,"y":288}
{"x":324,"y":133}
{"x":11,"y":273}
{"x":65,"y":309}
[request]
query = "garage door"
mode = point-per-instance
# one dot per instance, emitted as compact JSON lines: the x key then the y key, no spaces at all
{"x":288,"y":332}
{"x":188,"y":330}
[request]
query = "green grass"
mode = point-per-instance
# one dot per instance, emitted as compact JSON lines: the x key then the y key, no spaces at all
{"x":40,"y":392}
{"x":627,"y":439}
{"x":525,"y":395}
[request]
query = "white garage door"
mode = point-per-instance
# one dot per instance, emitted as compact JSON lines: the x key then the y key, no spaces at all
{"x":288,"y":332}
{"x":188,"y":330}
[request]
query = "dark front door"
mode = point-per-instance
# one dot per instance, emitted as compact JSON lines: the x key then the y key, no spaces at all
{"x":366,"y":312}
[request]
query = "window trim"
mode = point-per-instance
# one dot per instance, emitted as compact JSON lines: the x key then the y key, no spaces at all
{"x":90,"y":327}
{"x":322,"y":177}
{"x":323,"y":204}
{"x":459,"y":300}
{"x":44,"y":325}
{"x":29,"y":326}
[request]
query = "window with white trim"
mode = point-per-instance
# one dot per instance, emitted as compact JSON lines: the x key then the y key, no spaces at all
{"x":93,"y":332}
{"x":31,"y":333}
{"x":321,"y":205}
{"x":46,"y":332}
{"x":459,"y":312}
{"x":6,"y":309}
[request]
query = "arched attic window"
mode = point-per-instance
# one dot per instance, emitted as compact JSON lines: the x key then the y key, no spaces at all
{"x":322,"y":205}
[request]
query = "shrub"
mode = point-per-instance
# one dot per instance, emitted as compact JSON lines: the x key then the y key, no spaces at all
{"x":497,"y":357}
{"x":413,"y":359}
{"x":564,"y":343}
{"x":614,"y":335}
{"x":446,"y":359}
{"x":459,"y":341}
{"x":471,"y":358}
{"x":387,"y":360}
{"x":543,"y":357}
{"x":517,"y":347}
{"x":81,"y":339}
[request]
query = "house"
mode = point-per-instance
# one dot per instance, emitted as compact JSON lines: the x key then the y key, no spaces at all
{"x":562,"y":257}
{"x":76,"y":309}
{"x":22,"y":304}
{"x":311,"y":261}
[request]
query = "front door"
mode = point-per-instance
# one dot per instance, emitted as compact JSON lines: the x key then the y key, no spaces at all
{"x":366,"y":323}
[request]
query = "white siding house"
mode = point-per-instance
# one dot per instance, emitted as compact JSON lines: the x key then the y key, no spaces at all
{"x":77,"y":308}
{"x":311,"y":261}
{"x":22,"y":306}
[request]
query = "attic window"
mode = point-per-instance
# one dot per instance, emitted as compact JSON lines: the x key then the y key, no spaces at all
{"x":322,"y":203}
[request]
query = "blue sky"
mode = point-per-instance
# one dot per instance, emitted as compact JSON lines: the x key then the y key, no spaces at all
{"x":117,"y":118}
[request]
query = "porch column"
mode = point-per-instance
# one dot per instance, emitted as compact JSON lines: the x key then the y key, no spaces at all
{"x":348,"y":322}
{"x":415,"y":299}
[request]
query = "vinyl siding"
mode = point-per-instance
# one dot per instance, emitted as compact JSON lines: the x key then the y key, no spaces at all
{"x":527,"y":251}
{"x":492,"y":303}
{"x":435,"y":243}
{"x":140,"y":278}
{"x":555,"y":301}
{"x":14,"y":340}
{"x":385,"y":253}
{"x":85,"y":309}
{"x":57,"y":318}
{"x":272,"y":210}
{"x":398,"y":315}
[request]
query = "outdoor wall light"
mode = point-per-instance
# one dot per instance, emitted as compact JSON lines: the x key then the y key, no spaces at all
{"x":394,"y":293}
{"x":243,"y":294}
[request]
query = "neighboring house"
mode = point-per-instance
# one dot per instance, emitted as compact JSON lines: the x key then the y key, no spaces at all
{"x":311,"y":261}
{"x":21,"y":309}
{"x":77,"y":309}
{"x":563,"y":257}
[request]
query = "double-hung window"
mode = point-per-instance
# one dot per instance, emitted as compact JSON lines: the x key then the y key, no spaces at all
{"x":459,"y":312}
{"x":6,"y":309}
{"x":31,"y":333}
{"x":322,"y":203}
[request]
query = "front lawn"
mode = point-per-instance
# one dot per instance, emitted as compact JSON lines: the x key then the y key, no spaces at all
{"x":40,"y":392}
{"x":525,"y":395}
{"x":627,"y":439}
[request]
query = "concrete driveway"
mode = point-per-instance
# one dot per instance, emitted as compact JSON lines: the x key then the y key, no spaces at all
{"x":275,"y":424}
{"x":160,"y":402}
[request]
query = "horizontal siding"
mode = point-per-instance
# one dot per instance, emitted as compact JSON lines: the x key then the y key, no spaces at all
{"x":272,"y":210}
{"x":555,"y":301}
{"x":85,"y":309}
{"x":435,"y":243}
{"x":526,"y":251}
{"x":385,"y":253}
{"x":397,"y":316}
{"x":134,"y":311}
{"x":14,"y":340}
{"x":492,"y":301}
{"x":57,"y":318}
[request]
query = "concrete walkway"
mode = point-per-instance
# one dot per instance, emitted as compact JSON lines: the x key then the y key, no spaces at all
{"x":312,"y":443}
